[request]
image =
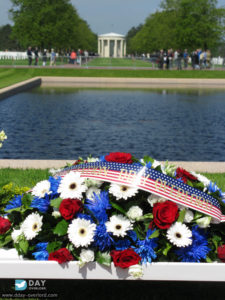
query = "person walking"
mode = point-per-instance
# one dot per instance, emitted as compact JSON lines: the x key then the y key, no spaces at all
{"x":36,"y":56}
{"x":29,"y":55}
{"x":73,"y":57}
{"x":52,"y":58}
{"x":44,"y":57}
{"x":179,"y":59}
{"x":185,"y":57}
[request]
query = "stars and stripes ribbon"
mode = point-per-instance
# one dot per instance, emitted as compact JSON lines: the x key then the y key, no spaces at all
{"x":152,"y":181}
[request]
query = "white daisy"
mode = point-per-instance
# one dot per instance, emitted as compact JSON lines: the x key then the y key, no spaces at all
{"x":134,"y":212}
{"x":41,"y":188}
{"x":90,"y":193}
{"x":81,"y":232}
{"x":152,"y":199}
{"x":118,"y":225}
{"x":179,"y":235}
{"x":31,"y":225}
{"x":122,"y":191}
{"x":72,"y":186}
{"x":201,"y":178}
{"x":15,"y":235}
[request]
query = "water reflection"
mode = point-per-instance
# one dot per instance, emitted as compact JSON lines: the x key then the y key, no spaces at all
{"x":64,"y":123}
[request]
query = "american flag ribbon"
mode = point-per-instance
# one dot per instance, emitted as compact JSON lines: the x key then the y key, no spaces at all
{"x":150,"y":180}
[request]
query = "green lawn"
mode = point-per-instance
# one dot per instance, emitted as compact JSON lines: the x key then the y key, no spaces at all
{"x":118,"y":62}
{"x":21,"y":178}
{"x":10,"y":76}
{"x":29,"y":177}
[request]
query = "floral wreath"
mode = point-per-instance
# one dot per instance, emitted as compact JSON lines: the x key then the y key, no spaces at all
{"x":71,"y":217}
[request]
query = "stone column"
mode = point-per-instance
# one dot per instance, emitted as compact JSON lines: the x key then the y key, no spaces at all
{"x":125,"y":48}
{"x":108,"y":48}
{"x":115,"y":48}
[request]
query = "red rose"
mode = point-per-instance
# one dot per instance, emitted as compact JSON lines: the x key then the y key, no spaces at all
{"x":164,"y":214}
{"x":221,"y":253}
{"x":125,"y":258}
{"x":120,"y":157}
{"x":5,"y":224}
{"x":69,"y":207}
{"x":61,"y":256}
{"x":185,"y":175}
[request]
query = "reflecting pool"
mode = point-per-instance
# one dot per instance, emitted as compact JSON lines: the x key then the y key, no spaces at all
{"x":64,"y":123}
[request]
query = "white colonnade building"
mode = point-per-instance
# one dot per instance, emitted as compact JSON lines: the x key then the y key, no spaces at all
{"x":111,"y":45}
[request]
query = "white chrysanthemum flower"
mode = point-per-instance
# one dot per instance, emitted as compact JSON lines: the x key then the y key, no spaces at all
{"x":15,"y":235}
{"x":56,"y":214}
{"x":122,"y":191}
{"x":156,"y":163}
{"x":92,"y":159}
{"x":134,"y":212}
{"x":136,"y":271}
{"x":92,"y":182}
{"x":86,"y":256}
{"x":55,"y":171}
{"x":179,"y":235}
{"x":90,"y":193}
{"x":201,"y":178}
{"x":81,"y":232}
{"x":204,"y":222}
{"x":118,"y":225}
{"x":72,"y":186}
{"x":31,"y":225}
{"x":41,"y":188}
{"x":152,"y":199}
{"x":189,"y":216}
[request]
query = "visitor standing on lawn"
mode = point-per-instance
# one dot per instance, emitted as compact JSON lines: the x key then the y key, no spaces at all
{"x":52,"y":58}
{"x":29,"y":55}
{"x":36,"y":56}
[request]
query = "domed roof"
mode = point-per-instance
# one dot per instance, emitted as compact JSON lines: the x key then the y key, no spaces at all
{"x":112,"y":34}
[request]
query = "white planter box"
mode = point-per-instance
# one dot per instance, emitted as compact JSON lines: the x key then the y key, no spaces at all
{"x":12,"y":266}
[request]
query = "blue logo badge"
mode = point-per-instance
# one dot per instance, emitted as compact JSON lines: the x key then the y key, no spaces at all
{"x":20,"y":285}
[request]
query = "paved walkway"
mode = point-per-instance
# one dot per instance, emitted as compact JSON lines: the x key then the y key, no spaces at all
{"x":209,"y":167}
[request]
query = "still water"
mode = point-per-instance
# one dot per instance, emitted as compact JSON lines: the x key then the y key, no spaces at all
{"x":62,"y":123}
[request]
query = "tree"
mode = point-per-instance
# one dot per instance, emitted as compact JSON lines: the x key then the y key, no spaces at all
{"x":130,"y":34}
{"x":48,"y":24}
{"x":5,"y":41}
{"x":182,"y":24}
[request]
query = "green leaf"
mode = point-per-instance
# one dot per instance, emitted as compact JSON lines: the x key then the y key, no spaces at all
{"x":167,"y":249}
{"x":5,"y":240}
{"x":56,"y":202}
{"x":54,"y":246}
{"x":103,"y":258}
{"x":216,"y":240}
{"x":61,"y":228}
{"x":118,"y":207}
{"x":208,"y":260}
{"x":148,"y":159}
{"x":23,"y":244}
{"x":26,"y":200}
{"x":155,"y":234}
{"x":181,"y":216}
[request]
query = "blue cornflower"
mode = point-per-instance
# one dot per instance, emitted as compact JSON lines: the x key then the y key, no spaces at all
{"x":133,"y":235}
{"x":99,"y":205}
{"x":54,"y":184}
{"x":102,"y":238}
{"x":197,"y":250}
{"x":214,"y":188}
{"x":102,"y":158}
{"x":41,"y":253}
{"x":145,"y":248}
{"x":14,"y":203}
{"x":42,"y":204}
{"x":122,"y":244}
{"x":84,"y":216}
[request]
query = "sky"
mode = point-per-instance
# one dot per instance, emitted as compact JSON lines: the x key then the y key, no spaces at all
{"x":105,"y":16}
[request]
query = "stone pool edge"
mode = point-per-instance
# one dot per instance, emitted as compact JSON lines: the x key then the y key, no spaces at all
{"x":20,"y":87}
{"x":111,"y":82}
{"x":208,"y":167}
